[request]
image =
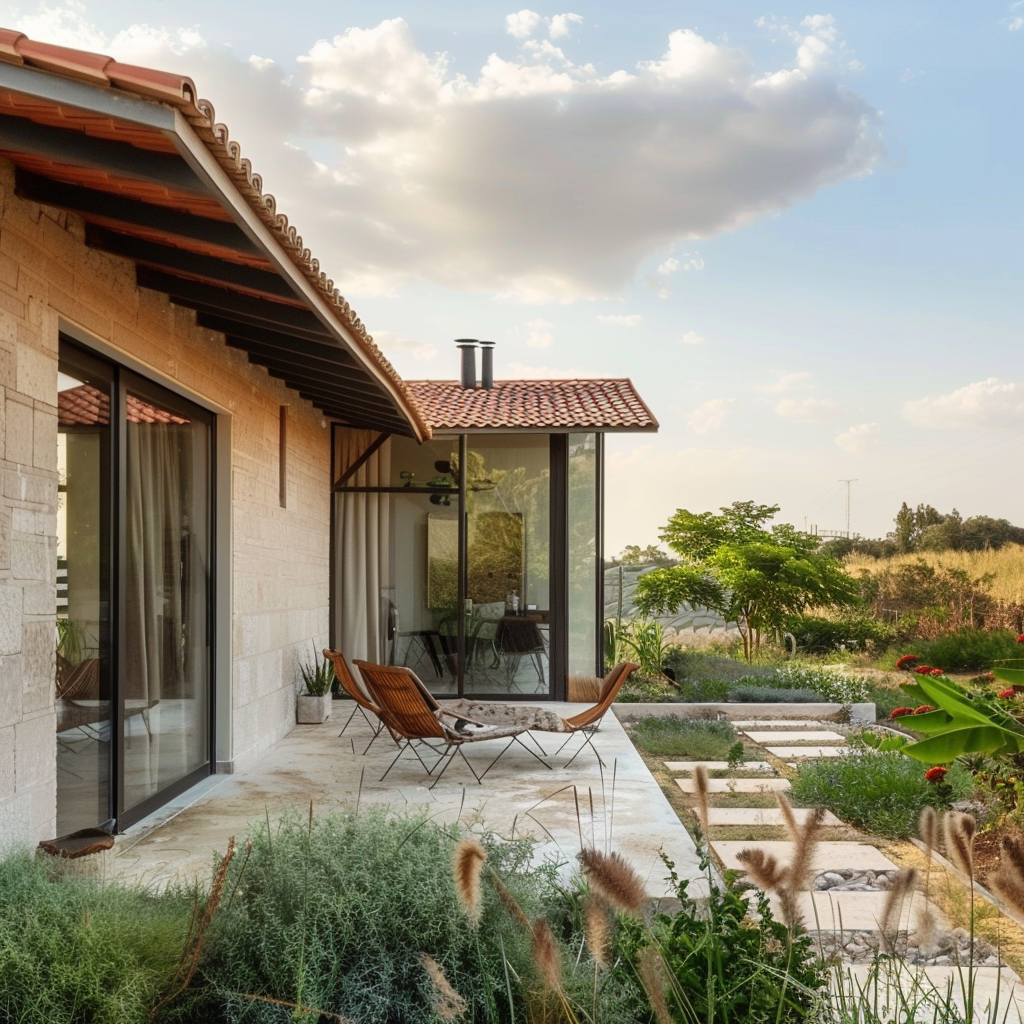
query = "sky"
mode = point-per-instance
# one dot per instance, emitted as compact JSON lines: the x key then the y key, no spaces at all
{"x":798,"y":229}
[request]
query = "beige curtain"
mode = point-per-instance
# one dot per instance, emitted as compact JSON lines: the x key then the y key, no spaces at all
{"x":361,"y":544}
{"x":165,"y":675}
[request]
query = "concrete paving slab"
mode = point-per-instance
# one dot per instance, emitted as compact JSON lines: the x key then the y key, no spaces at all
{"x":794,"y":753}
{"x":796,"y":736}
{"x":831,"y":910}
{"x":519,"y":797}
{"x":687,"y":767}
{"x":829,"y":856}
{"x":892,"y":989}
{"x":761,"y":816}
{"x":737,"y":785}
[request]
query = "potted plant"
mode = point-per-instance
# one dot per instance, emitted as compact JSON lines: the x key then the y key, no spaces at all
{"x":313,"y":705}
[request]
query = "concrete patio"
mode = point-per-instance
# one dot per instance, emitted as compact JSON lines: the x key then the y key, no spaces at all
{"x":619,"y":808}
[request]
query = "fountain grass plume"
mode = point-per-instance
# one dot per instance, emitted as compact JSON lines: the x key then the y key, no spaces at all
{"x":468,"y":861}
{"x":546,"y":955}
{"x":651,"y":978}
{"x":959,"y":831}
{"x":596,"y":930}
{"x":448,"y":1004}
{"x":611,"y":877}
{"x":762,"y":868}
{"x":508,"y":901}
{"x":1007,"y":881}
{"x":902,"y":887}
{"x":701,"y":789}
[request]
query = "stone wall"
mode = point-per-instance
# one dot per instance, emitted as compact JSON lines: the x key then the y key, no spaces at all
{"x":279,"y":556}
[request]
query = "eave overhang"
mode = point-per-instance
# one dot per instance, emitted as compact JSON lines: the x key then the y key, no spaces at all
{"x":157,"y":181}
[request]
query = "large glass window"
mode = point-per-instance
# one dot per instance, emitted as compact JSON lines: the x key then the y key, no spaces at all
{"x":134,"y":546}
{"x":508,"y":567}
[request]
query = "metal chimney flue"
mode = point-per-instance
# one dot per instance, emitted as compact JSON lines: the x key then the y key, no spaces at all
{"x":487,"y":365}
{"x":468,"y":348}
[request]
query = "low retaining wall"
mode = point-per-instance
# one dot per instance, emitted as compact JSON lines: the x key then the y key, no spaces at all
{"x":864,"y":713}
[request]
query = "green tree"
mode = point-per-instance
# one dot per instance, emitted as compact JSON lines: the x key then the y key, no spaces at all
{"x":633,"y":554}
{"x":734,"y":564}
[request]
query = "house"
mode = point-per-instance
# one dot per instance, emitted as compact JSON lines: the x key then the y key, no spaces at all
{"x":210,"y":470}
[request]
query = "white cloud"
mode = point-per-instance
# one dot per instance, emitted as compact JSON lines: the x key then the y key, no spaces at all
{"x":620,"y":320}
{"x":818,"y":46}
{"x":689,"y":261}
{"x":391,"y":344}
{"x":711,"y":415}
{"x":522,"y":24}
{"x":561,"y":24}
{"x":807,"y":410}
{"x":693,"y":338}
{"x":1014,"y":20}
{"x":784,"y":382}
{"x":985,"y":403}
{"x":539,"y":335}
{"x":861,"y":439}
{"x":394,"y":167}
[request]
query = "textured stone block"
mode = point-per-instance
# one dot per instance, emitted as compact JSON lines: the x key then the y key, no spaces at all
{"x":35,"y":742}
{"x":11,"y":672}
{"x":10,"y":619}
{"x":18,"y":432}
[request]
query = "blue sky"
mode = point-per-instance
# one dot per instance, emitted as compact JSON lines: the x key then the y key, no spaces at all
{"x":797,"y":228}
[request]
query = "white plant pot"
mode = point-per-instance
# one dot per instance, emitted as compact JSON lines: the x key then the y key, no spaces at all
{"x":311,"y":710}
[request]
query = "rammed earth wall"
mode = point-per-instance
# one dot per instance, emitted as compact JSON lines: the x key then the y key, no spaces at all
{"x":278,"y":564}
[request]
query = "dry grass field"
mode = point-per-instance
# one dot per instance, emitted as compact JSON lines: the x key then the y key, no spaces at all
{"x":1006,"y":564}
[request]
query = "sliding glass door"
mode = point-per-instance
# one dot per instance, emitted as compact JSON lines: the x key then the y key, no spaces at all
{"x":134,"y":632}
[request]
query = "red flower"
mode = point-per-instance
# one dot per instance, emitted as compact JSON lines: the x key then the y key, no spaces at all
{"x":1007,"y":694}
{"x":905,"y":664}
{"x":923,"y":670}
{"x":900,"y":712}
{"x":936,"y":774}
{"x":1020,"y":639}
{"x":936,"y":672}
{"x":923,"y":709}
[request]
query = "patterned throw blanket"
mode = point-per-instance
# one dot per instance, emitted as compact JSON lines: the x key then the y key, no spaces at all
{"x":493,"y":713}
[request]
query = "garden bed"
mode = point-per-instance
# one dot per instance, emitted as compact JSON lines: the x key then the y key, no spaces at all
{"x":861,"y":712}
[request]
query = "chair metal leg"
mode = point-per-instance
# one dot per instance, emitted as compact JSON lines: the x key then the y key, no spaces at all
{"x":456,"y":751}
{"x":588,"y":741}
{"x":534,"y":753}
{"x":348,"y":721}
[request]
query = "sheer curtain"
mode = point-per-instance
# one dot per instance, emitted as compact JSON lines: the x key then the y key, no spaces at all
{"x":165,"y":675}
{"x":361,"y":545}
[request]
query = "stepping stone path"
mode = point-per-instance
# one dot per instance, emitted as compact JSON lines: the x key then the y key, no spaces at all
{"x":688,"y":767}
{"x":762,"y":816}
{"x":795,"y":736}
{"x":737,"y":785}
{"x":849,"y":882}
{"x":796,"y":753}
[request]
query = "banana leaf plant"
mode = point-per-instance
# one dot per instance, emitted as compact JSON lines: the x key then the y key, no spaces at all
{"x":963,"y":722}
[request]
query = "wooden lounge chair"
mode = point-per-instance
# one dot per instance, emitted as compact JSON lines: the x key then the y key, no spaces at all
{"x":363,"y":704}
{"x":586,"y":723}
{"x":417,"y":721}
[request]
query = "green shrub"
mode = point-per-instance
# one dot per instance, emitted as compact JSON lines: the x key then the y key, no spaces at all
{"x":829,"y":683}
{"x":672,"y":736}
{"x":724,"y":967}
{"x":335,"y":914}
{"x":773,"y":695}
{"x":73,"y":950}
{"x":886,"y":699}
{"x":966,"y":650}
{"x":882,"y":793}
{"x":699,"y":666}
{"x":817,"y":635}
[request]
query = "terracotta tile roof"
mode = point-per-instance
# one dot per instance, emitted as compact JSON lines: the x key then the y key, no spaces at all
{"x":598,"y":404}
{"x":180,"y":91}
{"x":87,"y":406}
